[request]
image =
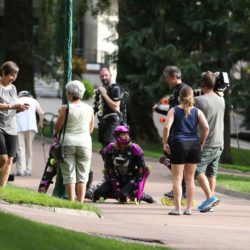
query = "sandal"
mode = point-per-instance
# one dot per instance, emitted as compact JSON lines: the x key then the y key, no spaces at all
{"x":187,"y":212}
{"x":175,"y":212}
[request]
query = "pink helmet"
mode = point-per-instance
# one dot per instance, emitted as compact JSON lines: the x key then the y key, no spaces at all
{"x":121,"y":129}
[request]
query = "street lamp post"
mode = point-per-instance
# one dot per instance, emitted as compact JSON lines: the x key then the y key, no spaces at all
{"x":59,"y":189}
{"x":68,"y":46}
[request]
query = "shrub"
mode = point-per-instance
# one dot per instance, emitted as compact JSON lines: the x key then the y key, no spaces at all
{"x":89,"y":89}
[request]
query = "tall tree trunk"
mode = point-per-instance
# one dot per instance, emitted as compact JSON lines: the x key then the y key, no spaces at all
{"x":226,"y":155}
{"x":18,"y":40}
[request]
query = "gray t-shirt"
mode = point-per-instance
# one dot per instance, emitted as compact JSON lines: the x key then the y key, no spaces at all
{"x":213,"y":107}
{"x":8,"y":117}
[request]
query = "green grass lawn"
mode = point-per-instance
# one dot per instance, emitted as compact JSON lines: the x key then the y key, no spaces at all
{"x":17,"y":233}
{"x":19,"y":195}
{"x":233,"y":182}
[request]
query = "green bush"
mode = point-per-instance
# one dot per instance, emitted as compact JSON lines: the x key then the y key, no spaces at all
{"x":89,"y":89}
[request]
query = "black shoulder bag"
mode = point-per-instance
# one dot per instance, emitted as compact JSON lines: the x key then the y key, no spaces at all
{"x":58,"y":148}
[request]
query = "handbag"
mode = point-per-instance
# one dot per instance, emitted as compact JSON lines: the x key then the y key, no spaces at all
{"x":58,"y":147}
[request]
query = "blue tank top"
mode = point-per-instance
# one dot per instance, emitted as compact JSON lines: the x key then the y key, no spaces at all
{"x":184,"y":128}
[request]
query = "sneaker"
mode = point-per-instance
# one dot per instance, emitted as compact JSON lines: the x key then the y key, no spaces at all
{"x":175,"y":212}
{"x":201,"y":205}
{"x":211,"y":209}
{"x":169,"y":194}
{"x":187,"y":212}
{"x":147,"y":198}
{"x":209,"y":203}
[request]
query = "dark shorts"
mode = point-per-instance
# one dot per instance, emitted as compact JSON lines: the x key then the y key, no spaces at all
{"x":8,"y":145}
{"x":106,"y":129}
{"x":185,"y":152}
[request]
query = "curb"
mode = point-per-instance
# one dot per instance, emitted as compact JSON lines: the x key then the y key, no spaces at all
{"x":58,"y":210}
{"x":233,"y":193}
{"x":233,"y":172}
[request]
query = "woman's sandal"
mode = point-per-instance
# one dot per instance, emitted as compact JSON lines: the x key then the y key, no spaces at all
{"x":175,"y":212}
{"x":187,"y":212}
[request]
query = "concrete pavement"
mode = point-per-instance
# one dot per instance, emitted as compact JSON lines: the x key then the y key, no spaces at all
{"x":225,"y":228}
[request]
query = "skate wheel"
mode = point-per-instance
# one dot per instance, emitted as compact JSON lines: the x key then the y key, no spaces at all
{"x":166,"y":201}
{"x":184,"y":202}
{"x":149,"y":167}
{"x":128,"y":201}
{"x":101,"y":199}
{"x":52,"y":161}
{"x":136,"y":201}
{"x":163,"y":201}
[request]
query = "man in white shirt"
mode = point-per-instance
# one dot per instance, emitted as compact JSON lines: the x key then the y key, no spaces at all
{"x":26,"y":131}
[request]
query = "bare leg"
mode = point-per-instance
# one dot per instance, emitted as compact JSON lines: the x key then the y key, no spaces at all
{"x":177,"y":171}
{"x":189,"y":171}
{"x":204,"y":184}
{"x":70,"y":187}
{"x":212,"y":184}
{"x":5,"y":167}
{"x":80,"y":191}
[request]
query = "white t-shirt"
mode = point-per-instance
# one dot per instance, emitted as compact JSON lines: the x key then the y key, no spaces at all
{"x":26,"y":120}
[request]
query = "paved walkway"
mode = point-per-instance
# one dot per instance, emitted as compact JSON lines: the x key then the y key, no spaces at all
{"x":226,"y":228}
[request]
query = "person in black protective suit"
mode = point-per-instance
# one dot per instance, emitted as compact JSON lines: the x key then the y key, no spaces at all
{"x":110,"y":107}
{"x":172,"y":76}
{"x":125,"y":170}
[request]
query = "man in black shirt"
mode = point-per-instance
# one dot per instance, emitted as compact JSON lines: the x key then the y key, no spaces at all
{"x":172,"y":76}
{"x":108,"y":109}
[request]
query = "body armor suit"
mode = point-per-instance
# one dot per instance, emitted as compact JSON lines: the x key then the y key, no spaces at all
{"x":126,"y":173}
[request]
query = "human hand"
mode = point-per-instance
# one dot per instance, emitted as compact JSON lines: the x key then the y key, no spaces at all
{"x":102,"y":90}
{"x":154,"y":108}
{"x":21,"y":107}
{"x":166,"y":148}
{"x":27,"y":105}
{"x":40,"y":125}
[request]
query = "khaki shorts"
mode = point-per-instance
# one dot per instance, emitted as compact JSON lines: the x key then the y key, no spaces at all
{"x":76,"y":165}
{"x":210,"y":158}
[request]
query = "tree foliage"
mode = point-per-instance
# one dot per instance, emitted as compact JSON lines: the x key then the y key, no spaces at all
{"x":195,"y":35}
{"x":18,"y":40}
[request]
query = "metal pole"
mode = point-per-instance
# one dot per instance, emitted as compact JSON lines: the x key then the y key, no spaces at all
{"x":68,"y":46}
{"x":59,"y":189}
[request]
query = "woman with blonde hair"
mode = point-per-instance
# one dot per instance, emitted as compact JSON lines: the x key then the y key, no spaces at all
{"x":184,"y":145}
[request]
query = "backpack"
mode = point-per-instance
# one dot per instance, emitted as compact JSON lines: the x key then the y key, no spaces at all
{"x":123,"y":103}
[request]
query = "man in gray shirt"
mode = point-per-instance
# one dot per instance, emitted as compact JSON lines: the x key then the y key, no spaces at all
{"x":213,"y":106}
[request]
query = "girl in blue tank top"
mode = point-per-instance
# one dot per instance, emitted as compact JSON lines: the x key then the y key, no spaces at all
{"x":184,"y":145}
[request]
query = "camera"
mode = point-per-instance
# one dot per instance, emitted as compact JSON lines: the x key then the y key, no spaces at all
{"x":221,"y":83}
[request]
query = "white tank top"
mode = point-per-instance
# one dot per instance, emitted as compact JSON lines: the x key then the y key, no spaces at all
{"x":78,"y":124}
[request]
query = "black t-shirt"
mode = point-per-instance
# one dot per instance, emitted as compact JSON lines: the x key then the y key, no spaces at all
{"x":114,"y":91}
{"x":175,"y":94}
{"x":174,"y":98}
